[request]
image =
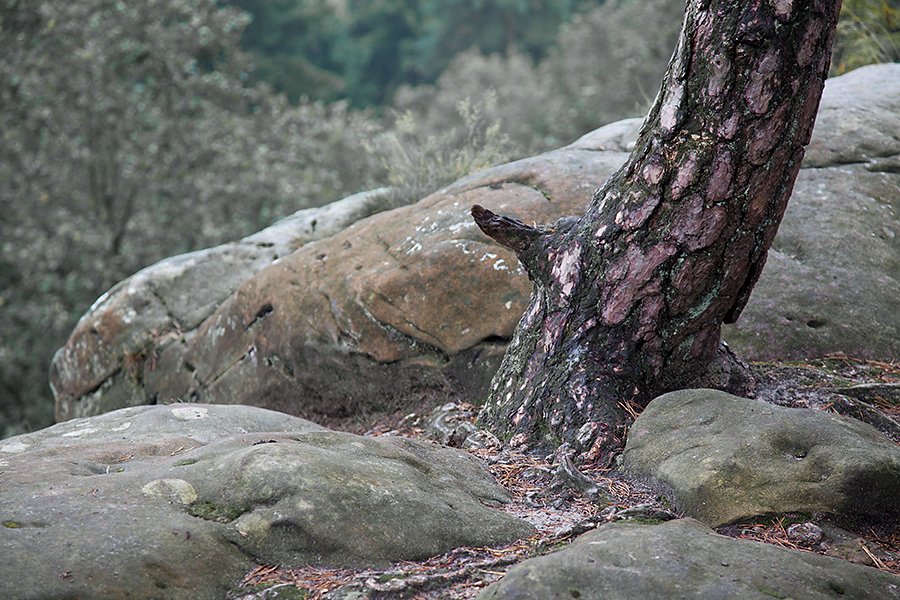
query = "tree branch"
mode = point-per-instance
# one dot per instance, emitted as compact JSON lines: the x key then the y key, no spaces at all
{"x":508,"y":232}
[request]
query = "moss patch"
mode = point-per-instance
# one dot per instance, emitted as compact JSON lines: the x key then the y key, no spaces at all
{"x":219,"y":513}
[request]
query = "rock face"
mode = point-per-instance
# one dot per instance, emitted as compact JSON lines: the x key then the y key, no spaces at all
{"x":402,"y":305}
{"x":416,"y":303}
{"x":152,"y":308}
{"x":832,"y":279}
{"x":728,"y":458}
{"x":685,"y":559}
{"x":175,"y":501}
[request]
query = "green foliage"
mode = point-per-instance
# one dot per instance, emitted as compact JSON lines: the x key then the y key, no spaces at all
{"x":129,"y":135}
{"x":606,"y":65}
{"x":293,"y":43}
{"x":364,"y":49}
{"x":491,"y":26}
{"x":525,"y":108}
{"x":418,"y":163}
{"x":868,"y":32}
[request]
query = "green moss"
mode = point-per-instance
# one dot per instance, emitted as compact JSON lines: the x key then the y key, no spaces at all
{"x":841,"y":382}
{"x":542,"y":548}
{"x":210,"y":511}
{"x":183,"y":463}
{"x":11,"y":524}
{"x":836,"y":587}
{"x":290,"y":592}
{"x":543,"y":191}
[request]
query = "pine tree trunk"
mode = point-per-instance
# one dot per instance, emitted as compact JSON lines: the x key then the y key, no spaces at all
{"x":629,"y":299}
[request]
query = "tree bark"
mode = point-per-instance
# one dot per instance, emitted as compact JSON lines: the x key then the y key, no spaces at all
{"x":629,"y":299}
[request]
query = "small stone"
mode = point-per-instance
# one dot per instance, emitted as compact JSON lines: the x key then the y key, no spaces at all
{"x":808,"y":534}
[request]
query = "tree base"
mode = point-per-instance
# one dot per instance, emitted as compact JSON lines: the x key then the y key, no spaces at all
{"x":727,"y":372}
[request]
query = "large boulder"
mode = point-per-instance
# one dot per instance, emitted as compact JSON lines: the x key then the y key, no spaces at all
{"x":407,"y":305}
{"x":416,"y":304}
{"x":727,"y":459}
{"x":128,"y":324}
{"x":832,"y":279}
{"x":181,"y":501}
{"x":685,"y":559}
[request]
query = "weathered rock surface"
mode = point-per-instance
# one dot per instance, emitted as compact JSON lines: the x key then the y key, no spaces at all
{"x":728,"y":458}
{"x":131,"y":321}
{"x":685,"y":559}
{"x":177,"y":502}
{"x":417,"y":304}
{"x":832,"y":280}
{"x":402,"y":305}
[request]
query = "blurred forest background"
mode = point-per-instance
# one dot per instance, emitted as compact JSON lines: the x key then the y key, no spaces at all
{"x":133,"y":131}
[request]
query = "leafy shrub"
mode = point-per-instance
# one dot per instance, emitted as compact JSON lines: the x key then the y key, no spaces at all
{"x":606,"y":65}
{"x":129,"y":135}
{"x":868,"y":32}
{"x":419,"y":163}
{"x":506,"y":88}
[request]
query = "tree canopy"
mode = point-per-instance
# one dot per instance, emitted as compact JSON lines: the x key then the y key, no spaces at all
{"x":130,"y":134}
{"x":363,"y":49}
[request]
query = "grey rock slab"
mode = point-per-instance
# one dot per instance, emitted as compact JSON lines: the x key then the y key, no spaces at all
{"x":200,"y":424}
{"x":832,"y":278}
{"x":727,"y":458}
{"x":180,"y":501}
{"x":337,"y":498}
{"x":685,"y":559}
{"x":858,"y":118}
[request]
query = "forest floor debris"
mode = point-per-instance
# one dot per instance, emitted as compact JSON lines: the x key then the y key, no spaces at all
{"x":561,"y":510}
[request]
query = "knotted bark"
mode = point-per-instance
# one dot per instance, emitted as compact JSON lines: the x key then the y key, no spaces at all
{"x":629,"y":299}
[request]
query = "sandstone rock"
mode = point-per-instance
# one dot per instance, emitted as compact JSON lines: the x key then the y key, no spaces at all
{"x":685,"y":559}
{"x":727,"y":458}
{"x":411,"y":304}
{"x":832,"y":279}
{"x":178,"y":501}
{"x":858,"y":118}
{"x":416,"y":304}
{"x":126,"y":327}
